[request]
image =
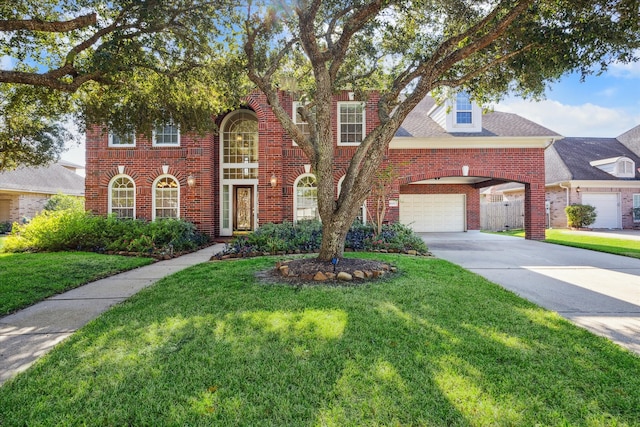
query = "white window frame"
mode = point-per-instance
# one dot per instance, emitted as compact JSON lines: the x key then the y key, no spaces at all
{"x":295,"y":196}
{"x":163,"y":125}
{"x":110,"y":196}
{"x":132,"y":144}
{"x":363,"y":124}
{"x":636,"y":204}
{"x":457,"y":110}
{"x":363,"y":209}
{"x":294,"y":116}
{"x":154,"y":197}
{"x":620,"y":168}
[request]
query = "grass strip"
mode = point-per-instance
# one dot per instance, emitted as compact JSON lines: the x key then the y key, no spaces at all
{"x":26,"y":278}
{"x":434,"y":345}
{"x":617,"y":246}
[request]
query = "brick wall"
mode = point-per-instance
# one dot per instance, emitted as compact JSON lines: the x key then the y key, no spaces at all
{"x":199,"y":155}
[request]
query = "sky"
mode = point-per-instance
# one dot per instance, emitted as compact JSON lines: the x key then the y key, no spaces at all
{"x":602,"y":106}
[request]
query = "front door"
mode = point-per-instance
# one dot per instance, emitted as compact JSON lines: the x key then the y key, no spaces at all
{"x":243,"y":208}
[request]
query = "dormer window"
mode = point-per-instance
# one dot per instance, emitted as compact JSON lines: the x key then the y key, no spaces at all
{"x":620,"y":167}
{"x":464,"y":109}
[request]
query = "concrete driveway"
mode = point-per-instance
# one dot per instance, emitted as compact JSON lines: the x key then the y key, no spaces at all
{"x":597,"y":291}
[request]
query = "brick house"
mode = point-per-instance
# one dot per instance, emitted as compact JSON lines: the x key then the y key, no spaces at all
{"x":25,"y":191}
{"x":251,"y":173}
{"x":601,"y":172}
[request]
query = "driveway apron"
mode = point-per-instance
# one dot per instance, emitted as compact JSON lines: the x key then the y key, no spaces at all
{"x":598,"y":291}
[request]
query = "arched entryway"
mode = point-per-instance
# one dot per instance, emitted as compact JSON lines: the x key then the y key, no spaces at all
{"x":238,"y":172}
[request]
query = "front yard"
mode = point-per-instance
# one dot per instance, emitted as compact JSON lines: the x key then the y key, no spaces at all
{"x":26,"y":278}
{"x":434,"y":345}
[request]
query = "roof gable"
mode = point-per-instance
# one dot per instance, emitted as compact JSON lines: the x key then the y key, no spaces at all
{"x":583,"y":156}
{"x":419,"y":124}
{"x":51,"y":179}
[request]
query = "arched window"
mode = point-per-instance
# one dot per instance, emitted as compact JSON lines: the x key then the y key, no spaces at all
{"x":122,"y":197}
{"x":306,"y":200}
{"x":240,"y":146}
{"x":166,"y":197}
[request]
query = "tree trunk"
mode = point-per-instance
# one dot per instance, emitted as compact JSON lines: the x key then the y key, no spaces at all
{"x":334,"y":233}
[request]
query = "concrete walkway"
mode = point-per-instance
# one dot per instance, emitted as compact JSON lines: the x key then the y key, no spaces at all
{"x":598,"y":291}
{"x":30,"y":333}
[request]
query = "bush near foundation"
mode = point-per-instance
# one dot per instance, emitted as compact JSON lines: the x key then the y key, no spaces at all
{"x":580,"y":216}
{"x":77,"y":230}
{"x":305,"y":236}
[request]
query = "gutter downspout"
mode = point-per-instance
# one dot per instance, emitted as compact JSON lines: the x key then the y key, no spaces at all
{"x":566,"y":189}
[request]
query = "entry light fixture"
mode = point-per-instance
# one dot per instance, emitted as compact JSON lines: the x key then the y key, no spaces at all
{"x":465,"y":170}
{"x":273,"y":180}
{"x":191,"y":181}
{"x":577,"y":189}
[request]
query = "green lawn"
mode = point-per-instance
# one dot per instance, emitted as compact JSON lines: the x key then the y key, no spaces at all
{"x":435,"y":345}
{"x":26,"y":278}
{"x":626,"y":247}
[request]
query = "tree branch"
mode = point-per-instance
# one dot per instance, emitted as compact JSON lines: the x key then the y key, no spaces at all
{"x":49,"y":26}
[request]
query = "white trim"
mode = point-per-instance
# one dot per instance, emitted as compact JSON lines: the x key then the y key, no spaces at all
{"x":228,"y":231}
{"x":294,"y":118}
{"x":153,"y":136}
{"x":364,"y":122}
{"x":110,"y":193}
{"x":471,"y":142}
{"x":634,"y":197}
{"x":585,"y":185}
{"x":295,"y":194}
{"x":153,"y":195}
{"x":112,"y":145}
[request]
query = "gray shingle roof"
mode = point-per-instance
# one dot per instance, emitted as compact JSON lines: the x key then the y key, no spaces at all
{"x":568,"y":159}
{"x":51,"y":179}
{"x":418,"y":124}
{"x":631,"y":139}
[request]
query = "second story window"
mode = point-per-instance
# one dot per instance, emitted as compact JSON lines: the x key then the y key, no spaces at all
{"x":298,"y":120}
{"x":464,"y":113}
{"x":122,"y":140}
{"x":351,"y":123}
{"x":167,"y":134}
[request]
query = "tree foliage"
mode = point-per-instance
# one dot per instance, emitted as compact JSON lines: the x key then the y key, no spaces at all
{"x":127,"y":64}
{"x":405,"y":49}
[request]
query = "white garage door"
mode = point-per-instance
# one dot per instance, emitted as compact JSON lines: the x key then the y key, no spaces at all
{"x":433,"y":212}
{"x":607,"y":209}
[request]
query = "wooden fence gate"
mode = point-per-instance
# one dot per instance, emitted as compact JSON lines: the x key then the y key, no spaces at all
{"x":504,"y":215}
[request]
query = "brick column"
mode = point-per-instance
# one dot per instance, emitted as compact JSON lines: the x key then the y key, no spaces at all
{"x":534,"y":211}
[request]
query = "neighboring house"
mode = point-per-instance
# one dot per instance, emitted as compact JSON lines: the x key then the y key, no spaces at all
{"x":602,"y":172}
{"x":25,"y":191}
{"x":251,"y":173}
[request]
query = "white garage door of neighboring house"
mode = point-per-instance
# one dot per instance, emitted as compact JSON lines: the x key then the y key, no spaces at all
{"x":607,"y":209}
{"x":433,"y":212}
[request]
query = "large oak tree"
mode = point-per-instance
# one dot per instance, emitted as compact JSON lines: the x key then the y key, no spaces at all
{"x":124,"y":63}
{"x":406,"y":49}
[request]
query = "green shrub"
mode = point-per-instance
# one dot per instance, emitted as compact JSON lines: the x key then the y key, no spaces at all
{"x":306,"y":236}
{"x":579,"y":216}
{"x":5,"y":227}
{"x":79,"y":230}
{"x":61,"y":202}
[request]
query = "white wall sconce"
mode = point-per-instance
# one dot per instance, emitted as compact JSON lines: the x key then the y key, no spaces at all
{"x":274,"y":180}
{"x":191,"y":181}
{"x":465,"y":170}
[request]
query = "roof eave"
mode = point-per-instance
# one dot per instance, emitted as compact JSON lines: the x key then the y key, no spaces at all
{"x":471,"y":142}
